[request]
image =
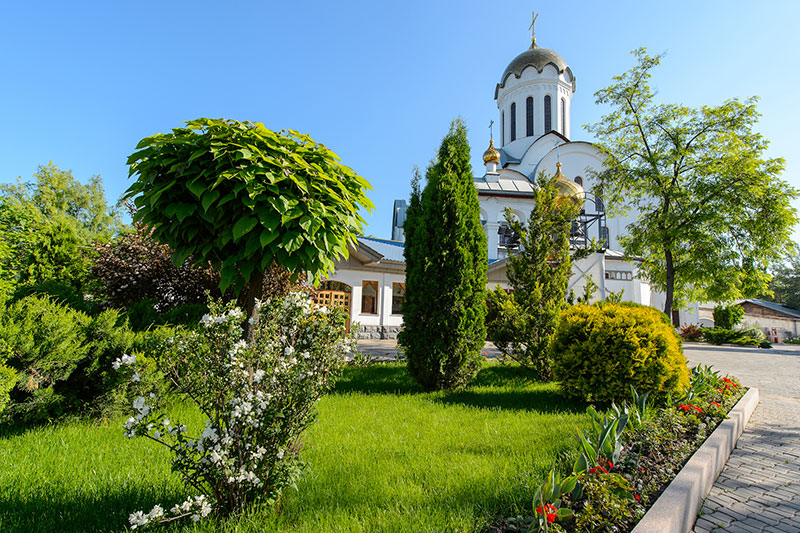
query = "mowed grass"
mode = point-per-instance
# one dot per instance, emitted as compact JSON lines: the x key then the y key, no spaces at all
{"x":382,"y":456}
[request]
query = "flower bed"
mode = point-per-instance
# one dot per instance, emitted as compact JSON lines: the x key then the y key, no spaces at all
{"x":629,"y":459}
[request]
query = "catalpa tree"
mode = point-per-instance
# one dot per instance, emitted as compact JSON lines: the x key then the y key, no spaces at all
{"x":240,"y":197}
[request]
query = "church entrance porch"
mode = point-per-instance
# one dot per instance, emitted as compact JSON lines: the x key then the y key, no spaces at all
{"x":335,"y":294}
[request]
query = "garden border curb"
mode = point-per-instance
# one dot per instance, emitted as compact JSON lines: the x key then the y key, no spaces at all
{"x":675,"y":511}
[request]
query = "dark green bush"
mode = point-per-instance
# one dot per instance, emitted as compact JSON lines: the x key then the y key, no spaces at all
{"x":741,"y":337}
{"x":601,"y":350}
{"x":61,"y":359}
{"x":8,"y":377}
{"x":46,"y":341}
{"x":728,"y":316}
{"x":59,"y":292}
{"x":143,"y":315}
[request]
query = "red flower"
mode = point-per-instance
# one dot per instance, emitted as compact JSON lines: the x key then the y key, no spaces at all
{"x":689,"y":407}
{"x":597,"y":470}
{"x":549,"y":516}
{"x":730,"y":382}
{"x":715,"y":404}
{"x":636,"y":496}
{"x":547,"y":507}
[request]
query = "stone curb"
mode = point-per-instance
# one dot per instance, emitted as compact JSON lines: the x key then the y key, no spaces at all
{"x":675,"y":511}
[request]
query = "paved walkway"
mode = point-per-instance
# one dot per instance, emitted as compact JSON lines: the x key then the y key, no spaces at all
{"x":759,"y":488}
{"x":387,"y":348}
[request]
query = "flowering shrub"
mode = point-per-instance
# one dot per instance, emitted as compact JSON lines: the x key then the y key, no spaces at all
{"x":257,"y":399}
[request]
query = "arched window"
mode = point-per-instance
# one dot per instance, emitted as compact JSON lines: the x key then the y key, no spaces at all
{"x":548,"y":114}
{"x":529,"y":116}
{"x":502,"y":128}
{"x":579,"y":180}
{"x":513,"y":136}
{"x":563,"y":116}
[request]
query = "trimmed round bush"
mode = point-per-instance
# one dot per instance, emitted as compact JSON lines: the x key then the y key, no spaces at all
{"x":600,"y":351}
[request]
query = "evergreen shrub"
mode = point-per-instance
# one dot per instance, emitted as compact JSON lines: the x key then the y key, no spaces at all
{"x":8,"y":377}
{"x":599,"y":351}
{"x":728,"y":316}
{"x":445,"y":307}
{"x":59,"y":360}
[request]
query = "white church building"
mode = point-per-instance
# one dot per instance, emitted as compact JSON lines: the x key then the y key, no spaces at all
{"x":533,"y":99}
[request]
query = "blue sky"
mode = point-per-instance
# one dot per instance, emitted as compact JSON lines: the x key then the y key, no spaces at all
{"x":377,"y":82}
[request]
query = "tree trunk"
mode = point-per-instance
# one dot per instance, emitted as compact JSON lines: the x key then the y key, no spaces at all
{"x":253,"y":291}
{"x":670,"y":288}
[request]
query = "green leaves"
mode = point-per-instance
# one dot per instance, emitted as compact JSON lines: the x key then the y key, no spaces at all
{"x":232,"y":193}
{"x":712,"y":213}
{"x":243,"y":226}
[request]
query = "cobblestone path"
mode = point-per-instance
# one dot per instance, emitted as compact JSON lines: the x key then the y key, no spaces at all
{"x":759,"y":488}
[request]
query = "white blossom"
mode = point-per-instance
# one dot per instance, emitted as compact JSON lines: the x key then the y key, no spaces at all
{"x":156,"y":512}
{"x":137,"y":519}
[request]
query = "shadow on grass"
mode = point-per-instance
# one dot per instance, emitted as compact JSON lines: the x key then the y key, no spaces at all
{"x":495,"y":387}
{"x":380,"y":378}
{"x":539,"y":400}
{"x":63,"y":511}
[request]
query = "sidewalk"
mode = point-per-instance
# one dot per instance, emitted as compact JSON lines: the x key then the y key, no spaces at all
{"x":759,"y":488}
{"x":387,"y":348}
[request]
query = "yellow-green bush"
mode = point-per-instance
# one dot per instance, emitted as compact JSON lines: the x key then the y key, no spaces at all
{"x":600,"y":351}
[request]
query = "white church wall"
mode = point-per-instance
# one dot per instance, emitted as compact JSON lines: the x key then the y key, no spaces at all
{"x":532,"y":83}
{"x":355,"y":278}
{"x":584,"y":269}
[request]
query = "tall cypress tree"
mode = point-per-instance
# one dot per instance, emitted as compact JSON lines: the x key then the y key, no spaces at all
{"x":446,"y":262}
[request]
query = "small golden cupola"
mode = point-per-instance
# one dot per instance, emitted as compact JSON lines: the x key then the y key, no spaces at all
{"x":568,"y":188}
{"x":491,"y":158}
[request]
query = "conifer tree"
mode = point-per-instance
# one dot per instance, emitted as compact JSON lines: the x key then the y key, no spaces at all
{"x":446,"y":262}
{"x":523,"y":323}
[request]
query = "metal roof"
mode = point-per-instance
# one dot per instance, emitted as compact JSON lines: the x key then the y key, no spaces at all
{"x":773,"y":306}
{"x":390,"y":250}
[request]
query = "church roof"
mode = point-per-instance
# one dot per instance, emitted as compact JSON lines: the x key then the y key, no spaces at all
{"x":508,"y":182}
{"x":533,"y":57}
{"x":390,"y":250}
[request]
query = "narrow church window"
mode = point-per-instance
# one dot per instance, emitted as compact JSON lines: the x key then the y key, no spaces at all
{"x":579,"y":180}
{"x":513,"y":121}
{"x":563,"y":116}
{"x":548,"y":114}
{"x":398,"y":298}
{"x":369,"y":297}
{"x":529,"y":116}
{"x":502,"y":128}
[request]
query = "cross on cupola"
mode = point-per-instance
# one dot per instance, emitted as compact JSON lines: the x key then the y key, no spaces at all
{"x":534,"y":16}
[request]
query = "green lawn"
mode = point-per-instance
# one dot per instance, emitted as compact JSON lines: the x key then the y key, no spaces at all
{"x":382,"y":457}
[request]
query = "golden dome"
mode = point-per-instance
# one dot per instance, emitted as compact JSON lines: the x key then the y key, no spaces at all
{"x":568,"y":188}
{"x":491,"y":154}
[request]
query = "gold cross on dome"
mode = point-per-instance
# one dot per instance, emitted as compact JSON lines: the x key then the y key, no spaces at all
{"x":533,"y":31}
